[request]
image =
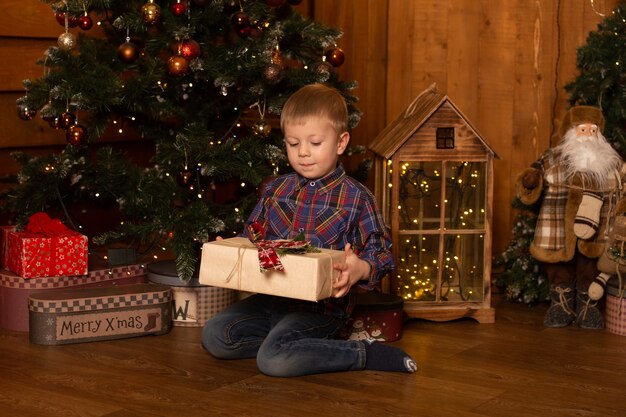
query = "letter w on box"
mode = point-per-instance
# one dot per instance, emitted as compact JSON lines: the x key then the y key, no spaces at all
{"x":234,"y":263}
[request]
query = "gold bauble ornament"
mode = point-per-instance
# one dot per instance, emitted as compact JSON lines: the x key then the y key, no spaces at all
{"x":25,"y":113}
{"x":150,"y":12}
{"x":128,"y":52}
{"x":66,"y":41}
{"x":273,"y":74}
{"x":177,"y":65}
{"x":262,"y":128}
{"x":76,"y":135}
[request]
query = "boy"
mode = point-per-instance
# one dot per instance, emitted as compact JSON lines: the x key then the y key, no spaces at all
{"x":293,"y":337}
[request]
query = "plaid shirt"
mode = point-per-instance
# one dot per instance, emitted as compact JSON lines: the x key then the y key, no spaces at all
{"x":330,"y":212}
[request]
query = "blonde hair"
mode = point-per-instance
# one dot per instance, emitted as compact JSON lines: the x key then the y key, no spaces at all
{"x":316,"y":100}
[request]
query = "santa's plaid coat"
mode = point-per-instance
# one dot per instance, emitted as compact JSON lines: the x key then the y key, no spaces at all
{"x":554,"y":239}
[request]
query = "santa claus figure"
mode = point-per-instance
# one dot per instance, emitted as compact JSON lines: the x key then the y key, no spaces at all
{"x":577,"y":183}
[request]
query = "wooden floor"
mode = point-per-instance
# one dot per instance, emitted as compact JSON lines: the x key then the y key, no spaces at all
{"x":513,"y":367}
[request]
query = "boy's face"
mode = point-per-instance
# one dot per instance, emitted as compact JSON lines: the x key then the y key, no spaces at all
{"x":313,"y":147}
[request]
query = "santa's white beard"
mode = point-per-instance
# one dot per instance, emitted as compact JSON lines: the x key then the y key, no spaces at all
{"x":594,"y":159}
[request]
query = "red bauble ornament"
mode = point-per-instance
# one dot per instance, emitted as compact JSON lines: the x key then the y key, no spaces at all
{"x":244,"y":32}
{"x":185,"y":177}
{"x":76,"y":135}
{"x":72,"y":21}
{"x":335,"y":57}
{"x":190,"y":49}
{"x":178,"y":9}
{"x":240,"y":20}
{"x":67,"y":119}
{"x":177,"y":65}
{"x":85,"y":22}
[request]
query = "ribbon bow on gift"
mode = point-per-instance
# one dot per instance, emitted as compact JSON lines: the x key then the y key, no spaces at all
{"x":40,"y":223}
{"x":270,"y":249}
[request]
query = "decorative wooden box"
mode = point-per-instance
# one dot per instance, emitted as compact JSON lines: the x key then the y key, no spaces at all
{"x":434,"y":182}
{"x":96,"y":314}
{"x":15,"y":290}
{"x":192,"y":303}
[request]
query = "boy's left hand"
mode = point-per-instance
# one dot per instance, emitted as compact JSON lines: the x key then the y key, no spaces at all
{"x":352,"y":270}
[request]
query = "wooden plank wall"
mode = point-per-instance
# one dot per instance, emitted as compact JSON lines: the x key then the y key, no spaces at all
{"x":502,"y":62}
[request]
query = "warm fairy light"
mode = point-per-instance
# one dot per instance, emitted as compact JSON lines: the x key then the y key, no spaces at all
{"x":420,"y":276}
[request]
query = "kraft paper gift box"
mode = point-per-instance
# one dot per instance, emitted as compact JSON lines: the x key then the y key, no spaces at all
{"x":234,"y":263}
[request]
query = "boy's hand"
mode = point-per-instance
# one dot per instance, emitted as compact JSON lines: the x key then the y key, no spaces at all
{"x":352,"y":270}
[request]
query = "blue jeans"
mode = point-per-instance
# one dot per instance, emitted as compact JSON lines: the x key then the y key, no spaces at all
{"x":285,"y":343}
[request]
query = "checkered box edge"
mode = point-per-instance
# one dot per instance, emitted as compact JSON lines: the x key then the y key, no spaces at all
{"x":97,"y":303}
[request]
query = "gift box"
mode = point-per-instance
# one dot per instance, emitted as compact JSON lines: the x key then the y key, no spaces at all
{"x":192,"y":303}
{"x":615,"y":310}
{"x":15,"y":290}
{"x":377,"y":316}
{"x":46,"y":248}
{"x":234,"y":263}
{"x":96,"y":314}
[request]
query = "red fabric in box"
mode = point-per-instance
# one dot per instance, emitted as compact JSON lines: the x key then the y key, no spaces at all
{"x":33,"y":255}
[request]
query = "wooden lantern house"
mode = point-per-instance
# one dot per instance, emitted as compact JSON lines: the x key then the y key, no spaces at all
{"x":434,"y":183}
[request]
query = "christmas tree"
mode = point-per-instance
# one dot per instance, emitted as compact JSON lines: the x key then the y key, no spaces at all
{"x":521,"y":278}
{"x":601,"y":81}
{"x":201,"y":81}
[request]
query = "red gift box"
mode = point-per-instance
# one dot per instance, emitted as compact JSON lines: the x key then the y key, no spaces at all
{"x":46,"y":248}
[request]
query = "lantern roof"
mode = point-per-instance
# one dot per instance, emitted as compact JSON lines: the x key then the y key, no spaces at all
{"x":395,"y":134}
